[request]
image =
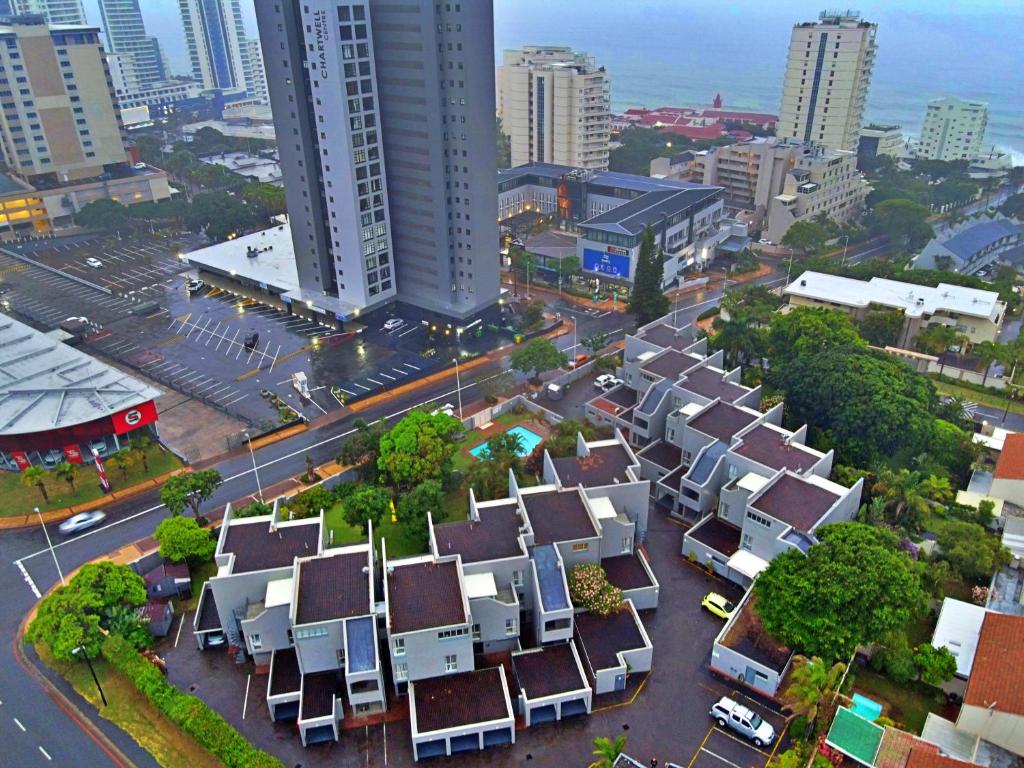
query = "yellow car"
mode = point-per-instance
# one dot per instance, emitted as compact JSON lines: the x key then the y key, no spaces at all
{"x":718,"y":605}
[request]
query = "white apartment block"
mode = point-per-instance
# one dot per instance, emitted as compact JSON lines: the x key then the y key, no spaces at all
{"x":215,"y":36}
{"x":256,"y":75}
{"x":880,"y":140}
{"x":55,"y":11}
{"x":953,"y":129}
{"x":821,"y":182}
{"x":555,"y":106}
{"x":828,"y":73}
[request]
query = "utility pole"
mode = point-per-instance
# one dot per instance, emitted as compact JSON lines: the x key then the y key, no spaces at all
{"x":846,"y":243}
{"x":789,"y":271}
{"x":458,"y":385}
{"x":95,"y":679}
{"x":255,"y":469}
{"x":49,"y":544}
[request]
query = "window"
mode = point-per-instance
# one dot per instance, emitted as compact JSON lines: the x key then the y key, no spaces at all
{"x":305,"y":633}
{"x":581,"y":546}
{"x":401,"y":671}
{"x":759,"y":519}
{"x":448,"y":634}
{"x":511,"y":627}
{"x":451,"y":663}
{"x":517,"y":578}
{"x":476,"y":631}
{"x":399,"y":646}
{"x":255,"y":641}
{"x":748,"y":542}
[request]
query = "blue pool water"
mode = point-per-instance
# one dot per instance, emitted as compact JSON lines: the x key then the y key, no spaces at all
{"x":529,"y":439}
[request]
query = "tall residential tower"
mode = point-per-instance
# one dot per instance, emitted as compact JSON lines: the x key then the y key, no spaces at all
{"x":555,"y":107}
{"x":54,"y":11}
{"x":215,"y":36}
{"x":126,"y":36}
{"x":385,"y":119}
{"x":827,"y":78}
{"x":953,"y":129}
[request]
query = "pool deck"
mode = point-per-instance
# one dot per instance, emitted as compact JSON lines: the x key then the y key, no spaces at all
{"x":481,"y":436}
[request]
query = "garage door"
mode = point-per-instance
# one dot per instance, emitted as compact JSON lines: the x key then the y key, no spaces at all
{"x":319,"y":734}
{"x":286,"y":711}
{"x":427,"y":749}
{"x":468,"y":743}
{"x":545,"y":714}
{"x":497,"y":737}
{"x":574,"y":707}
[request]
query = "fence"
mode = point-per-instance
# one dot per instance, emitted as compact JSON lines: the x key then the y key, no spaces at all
{"x":928,"y":364}
{"x":21,"y":257}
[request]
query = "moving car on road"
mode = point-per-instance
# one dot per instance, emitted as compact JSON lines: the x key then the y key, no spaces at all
{"x":718,"y":605}
{"x":82,"y":522}
{"x":745,"y":721}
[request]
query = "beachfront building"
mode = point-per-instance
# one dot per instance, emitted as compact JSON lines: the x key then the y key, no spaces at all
{"x":954,"y":129}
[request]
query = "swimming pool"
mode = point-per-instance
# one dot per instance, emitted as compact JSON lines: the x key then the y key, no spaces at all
{"x":529,"y":440}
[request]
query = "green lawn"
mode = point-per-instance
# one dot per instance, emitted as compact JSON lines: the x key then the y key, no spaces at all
{"x":399,"y":543}
{"x":19,"y":499}
{"x":983,"y":397}
{"x":463,"y":461}
{"x":908,"y":704}
{"x":130,"y":711}
{"x":200,"y":575}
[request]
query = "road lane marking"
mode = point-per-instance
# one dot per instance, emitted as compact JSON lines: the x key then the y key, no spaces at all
{"x":46,"y":754}
{"x":17,"y":722}
{"x":177,"y":637}
{"x":245,"y":701}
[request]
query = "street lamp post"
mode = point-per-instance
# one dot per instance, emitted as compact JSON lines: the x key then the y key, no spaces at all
{"x":789,"y":271}
{"x":95,"y":679}
{"x":255,"y":469}
{"x":458,"y":385}
{"x":49,"y":544}
{"x":846,"y":244}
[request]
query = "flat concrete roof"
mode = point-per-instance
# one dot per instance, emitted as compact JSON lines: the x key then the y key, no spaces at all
{"x":914,"y":300}
{"x":45,"y":384}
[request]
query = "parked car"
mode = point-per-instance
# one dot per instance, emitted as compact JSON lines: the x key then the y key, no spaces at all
{"x":393,"y":324}
{"x":579,"y":360}
{"x":447,"y":409}
{"x":215,"y":640}
{"x":612,"y":383}
{"x":194,"y":286}
{"x":82,"y":521}
{"x":79,"y":319}
{"x":600,"y":381}
{"x":765,"y":241}
{"x":93,"y":262}
{"x":716,"y":604}
{"x":745,"y":721}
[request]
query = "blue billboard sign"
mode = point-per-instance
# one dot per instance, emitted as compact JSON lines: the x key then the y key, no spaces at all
{"x":605,"y":263}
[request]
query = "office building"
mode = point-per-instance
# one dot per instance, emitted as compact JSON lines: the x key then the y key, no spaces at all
{"x":828,"y":72}
{"x":821,"y":182}
{"x":126,"y":36}
{"x":256,"y":77}
{"x":215,"y":36}
{"x":555,"y":107}
{"x":953,"y":129}
{"x":61,"y":134}
{"x":610,"y":211}
{"x":878,"y":140}
{"x":389,"y":170}
{"x":54,"y":11}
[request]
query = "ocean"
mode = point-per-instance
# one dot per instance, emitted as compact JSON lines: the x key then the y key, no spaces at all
{"x":681,"y":53}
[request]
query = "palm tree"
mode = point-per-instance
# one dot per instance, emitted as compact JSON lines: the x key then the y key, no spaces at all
{"x":66,"y":472}
{"x":122,"y":461}
{"x":142,"y":445}
{"x":608,"y":751}
{"x":903,"y":491}
{"x":811,"y":683}
{"x":987,"y":353}
{"x":34,"y":476}
{"x":935,"y":340}
{"x":937,"y":489}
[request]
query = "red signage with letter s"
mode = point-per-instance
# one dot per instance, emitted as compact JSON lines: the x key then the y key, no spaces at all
{"x":135,"y":417}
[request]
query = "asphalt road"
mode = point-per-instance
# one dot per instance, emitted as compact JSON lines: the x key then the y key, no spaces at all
{"x":30,"y":721}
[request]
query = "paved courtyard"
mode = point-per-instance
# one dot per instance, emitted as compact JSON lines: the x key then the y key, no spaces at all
{"x":667,"y":719}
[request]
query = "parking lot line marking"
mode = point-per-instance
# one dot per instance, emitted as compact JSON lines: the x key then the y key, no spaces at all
{"x":719,"y":757}
{"x":180,"y":625}
{"x":357,"y":384}
{"x":172,"y":340}
{"x":189,"y":379}
{"x":740,"y":741}
{"x":314,"y":402}
{"x":207,"y":385}
{"x":232,"y":402}
{"x":351,"y":394}
{"x":700,"y":748}
{"x":381,"y":373}
{"x":785,"y":727}
{"x":213,"y":333}
{"x":400,"y":372}
{"x":217,"y":391}
{"x":274,"y":361}
{"x":245,"y":701}
{"x":232,"y":393}
{"x":406,"y":333}
{"x":378,"y":383}
{"x":17,"y":722}
{"x":414,"y":367}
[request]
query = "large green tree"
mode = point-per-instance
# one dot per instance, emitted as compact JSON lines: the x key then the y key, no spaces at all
{"x":904,"y":221}
{"x":412,"y":508}
{"x":182,"y":539}
{"x":808,"y":237}
{"x":189,"y":489}
{"x":806,"y":331}
{"x":647,"y":302}
{"x":972,"y":551}
{"x":812,"y":682}
{"x":418,"y":448}
{"x":850,"y":589}
{"x":537,"y":356}
{"x":104,"y":214}
{"x":367,"y":505}
{"x":881,"y":327}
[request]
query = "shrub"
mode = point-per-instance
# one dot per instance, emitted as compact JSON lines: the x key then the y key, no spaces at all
{"x":191,"y":714}
{"x":589,"y":588}
{"x":710,"y":312}
{"x":255,"y":509}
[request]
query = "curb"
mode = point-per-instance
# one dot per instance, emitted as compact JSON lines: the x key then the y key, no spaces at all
{"x":58,"y":515}
{"x":362,"y":405}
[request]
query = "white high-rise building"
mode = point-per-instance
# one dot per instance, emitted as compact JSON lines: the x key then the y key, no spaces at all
{"x":126,"y":36}
{"x":827,"y":78}
{"x":954,"y":129}
{"x":215,"y":36}
{"x":555,"y":106}
{"x":256,"y":75}
{"x":55,"y":11}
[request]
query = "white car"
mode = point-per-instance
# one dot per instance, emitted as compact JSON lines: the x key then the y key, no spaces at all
{"x":606,"y":381}
{"x":745,"y":721}
{"x":447,"y":409}
{"x":764,"y":241}
{"x":82,"y":521}
{"x":393,"y":324}
{"x":80,"y":319}
{"x":93,"y":262}
{"x":611,"y":384}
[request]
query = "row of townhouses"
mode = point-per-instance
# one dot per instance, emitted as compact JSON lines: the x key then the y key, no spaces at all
{"x":750,"y":487}
{"x":479,"y":631}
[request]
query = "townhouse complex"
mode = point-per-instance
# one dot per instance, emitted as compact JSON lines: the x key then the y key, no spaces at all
{"x":973,"y":245}
{"x":478,"y":631}
{"x":751,"y":487}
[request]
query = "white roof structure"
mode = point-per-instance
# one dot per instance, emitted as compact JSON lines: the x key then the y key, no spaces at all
{"x":747,"y":563}
{"x":958,"y":629}
{"x":279,"y":592}
{"x":1013,"y":536}
{"x":45,"y":384}
{"x":914,"y":300}
{"x":480,"y":585}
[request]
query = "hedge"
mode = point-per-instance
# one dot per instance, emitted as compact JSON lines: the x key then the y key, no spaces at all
{"x":710,"y":312}
{"x":191,"y":714}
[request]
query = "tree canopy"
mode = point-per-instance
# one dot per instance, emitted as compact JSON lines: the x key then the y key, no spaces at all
{"x":189,"y":489}
{"x":646,"y":301}
{"x":904,"y":221}
{"x":412,"y":508}
{"x":848,"y":590}
{"x":418,"y":448}
{"x":807,"y":236}
{"x":537,"y":356}
{"x":369,"y":504}
{"x":972,"y":551}
{"x":182,"y":539}
{"x":104,"y":214}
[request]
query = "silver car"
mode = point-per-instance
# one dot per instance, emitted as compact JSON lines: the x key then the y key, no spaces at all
{"x":82,"y":521}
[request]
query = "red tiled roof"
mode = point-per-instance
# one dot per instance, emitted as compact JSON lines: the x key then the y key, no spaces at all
{"x":454,"y":701}
{"x":997,"y":675}
{"x":795,"y":502}
{"x":924,"y":755}
{"x":1011,"y":459}
{"x":425,"y":595}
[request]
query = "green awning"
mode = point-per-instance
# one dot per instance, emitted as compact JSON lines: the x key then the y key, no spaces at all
{"x":855,"y":737}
